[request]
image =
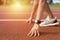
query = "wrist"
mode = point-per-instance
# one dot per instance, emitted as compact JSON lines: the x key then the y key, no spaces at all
{"x":37,"y":21}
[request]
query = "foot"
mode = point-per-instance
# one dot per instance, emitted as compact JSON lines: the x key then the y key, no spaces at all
{"x":49,"y":22}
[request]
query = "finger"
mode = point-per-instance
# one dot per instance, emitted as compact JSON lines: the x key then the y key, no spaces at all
{"x":35,"y":33}
{"x":31,"y":34}
{"x":38,"y":33}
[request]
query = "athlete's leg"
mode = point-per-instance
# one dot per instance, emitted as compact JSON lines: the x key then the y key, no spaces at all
{"x":48,"y":11}
{"x":50,"y":20}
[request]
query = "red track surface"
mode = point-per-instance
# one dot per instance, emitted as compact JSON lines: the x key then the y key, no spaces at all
{"x":17,"y":30}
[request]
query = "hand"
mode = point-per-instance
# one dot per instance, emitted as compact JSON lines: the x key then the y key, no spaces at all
{"x":34,"y":31}
{"x":30,"y":20}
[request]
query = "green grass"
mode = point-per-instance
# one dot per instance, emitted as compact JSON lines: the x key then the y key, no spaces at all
{"x":54,"y":5}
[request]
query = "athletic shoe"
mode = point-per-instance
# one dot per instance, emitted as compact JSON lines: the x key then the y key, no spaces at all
{"x":49,"y":22}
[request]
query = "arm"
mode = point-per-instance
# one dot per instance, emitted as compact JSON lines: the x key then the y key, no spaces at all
{"x":34,"y":9}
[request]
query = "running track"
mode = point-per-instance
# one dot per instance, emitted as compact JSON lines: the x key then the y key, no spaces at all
{"x":13,"y":29}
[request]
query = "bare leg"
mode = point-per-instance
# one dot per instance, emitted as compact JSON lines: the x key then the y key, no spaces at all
{"x":51,"y":20}
{"x":48,"y":11}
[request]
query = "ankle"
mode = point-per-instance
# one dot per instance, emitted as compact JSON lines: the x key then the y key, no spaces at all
{"x":51,"y":17}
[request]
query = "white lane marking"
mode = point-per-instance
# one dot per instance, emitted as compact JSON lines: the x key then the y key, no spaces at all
{"x":18,"y":19}
{"x":13,"y":19}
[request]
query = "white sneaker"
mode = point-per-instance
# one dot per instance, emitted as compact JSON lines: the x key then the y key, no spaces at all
{"x":49,"y":22}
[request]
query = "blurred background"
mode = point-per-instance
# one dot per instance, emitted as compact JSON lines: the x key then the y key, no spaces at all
{"x":16,"y":8}
{"x":26,"y":2}
{"x":7,"y":2}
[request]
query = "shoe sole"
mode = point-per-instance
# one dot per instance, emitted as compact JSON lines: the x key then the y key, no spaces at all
{"x":53,"y":24}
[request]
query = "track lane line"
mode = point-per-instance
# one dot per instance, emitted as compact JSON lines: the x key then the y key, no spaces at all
{"x":18,"y":19}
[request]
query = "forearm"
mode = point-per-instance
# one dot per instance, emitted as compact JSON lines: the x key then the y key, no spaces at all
{"x":35,"y":6}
